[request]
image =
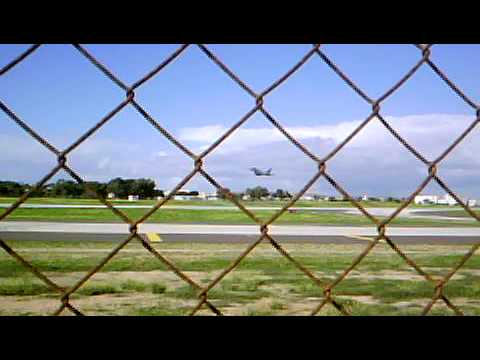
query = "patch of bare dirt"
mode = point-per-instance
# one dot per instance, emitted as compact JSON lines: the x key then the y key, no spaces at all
{"x":422,"y":302}
{"x":107,"y":304}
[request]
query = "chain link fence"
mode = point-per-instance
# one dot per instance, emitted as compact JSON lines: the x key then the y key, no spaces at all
{"x":259,"y":105}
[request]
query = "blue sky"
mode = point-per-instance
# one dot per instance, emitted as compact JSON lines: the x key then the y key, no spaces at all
{"x":60,"y":94}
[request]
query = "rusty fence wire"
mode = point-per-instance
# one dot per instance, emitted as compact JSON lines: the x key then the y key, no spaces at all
{"x":258,"y":105}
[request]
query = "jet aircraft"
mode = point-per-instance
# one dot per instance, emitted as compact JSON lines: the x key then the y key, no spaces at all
{"x":260,"y":172}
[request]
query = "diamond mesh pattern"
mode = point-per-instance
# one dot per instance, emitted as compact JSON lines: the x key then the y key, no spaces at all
{"x":258,"y":106}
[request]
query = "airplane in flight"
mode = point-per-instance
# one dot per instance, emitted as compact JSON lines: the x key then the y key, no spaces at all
{"x":261,"y":173}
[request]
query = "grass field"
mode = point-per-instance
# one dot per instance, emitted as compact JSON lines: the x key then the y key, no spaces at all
{"x":266,"y":203}
{"x":452,"y":213}
{"x":265,"y":283}
{"x":218,"y":217}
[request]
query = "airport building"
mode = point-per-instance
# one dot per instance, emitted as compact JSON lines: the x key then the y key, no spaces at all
{"x":447,"y":199}
{"x":185,"y":194}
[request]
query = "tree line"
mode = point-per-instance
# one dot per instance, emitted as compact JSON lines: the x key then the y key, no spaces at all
{"x":257,"y":193}
{"x":144,"y":188}
{"x":122,"y":188}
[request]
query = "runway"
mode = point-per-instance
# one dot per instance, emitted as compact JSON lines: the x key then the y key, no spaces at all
{"x":46,"y":231}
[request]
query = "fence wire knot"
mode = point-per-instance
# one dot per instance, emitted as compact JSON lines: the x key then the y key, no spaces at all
{"x":61,"y":159}
{"x":133,"y":229}
{"x":198,"y":163}
{"x":322,"y":167}
{"x":381,"y":231}
{"x":130,"y":93}
{"x":264,"y":230}
{"x":432,"y":170}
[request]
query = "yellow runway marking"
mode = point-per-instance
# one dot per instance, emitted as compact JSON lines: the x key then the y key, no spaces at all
{"x":361,"y":237}
{"x":154,"y":237}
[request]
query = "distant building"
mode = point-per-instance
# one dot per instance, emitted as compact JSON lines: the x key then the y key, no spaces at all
{"x":202,"y":196}
{"x":425,"y":199}
{"x":447,"y":199}
{"x":212,"y":197}
{"x":365,"y":197}
{"x":311,"y":196}
{"x":184,"y":194}
{"x":472,"y":202}
{"x":133,"y":197}
{"x":246,"y":197}
{"x":307,"y":197}
{"x":111,"y":195}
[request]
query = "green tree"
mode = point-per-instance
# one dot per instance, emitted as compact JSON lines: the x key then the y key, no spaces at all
{"x":281,"y":194}
{"x":122,"y":188}
{"x":257,"y":192}
{"x":67,"y":188}
{"x":144,"y":188}
{"x":11,"y":188}
{"x":98,"y":188}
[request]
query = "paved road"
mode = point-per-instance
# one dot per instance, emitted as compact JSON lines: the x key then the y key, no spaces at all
{"x":292,"y":230}
{"x":407,"y":213}
{"x":233,"y":233}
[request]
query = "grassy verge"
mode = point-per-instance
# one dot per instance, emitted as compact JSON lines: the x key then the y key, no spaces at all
{"x":266,"y":203}
{"x":452,"y":213}
{"x":265,"y":283}
{"x":218,"y":217}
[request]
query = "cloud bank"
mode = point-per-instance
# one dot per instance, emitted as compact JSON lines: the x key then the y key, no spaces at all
{"x":374,"y":162}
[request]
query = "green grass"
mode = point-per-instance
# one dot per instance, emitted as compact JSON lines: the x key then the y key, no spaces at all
{"x":23,"y":286}
{"x":276,"y":305}
{"x":61,"y":263}
{"x":446,"y":261}
{"x":390,"y":291}
{"x":184,"y":292}
{"x":259,"y":276}
{"x":158,"y":288}
{"x":159,"y":310}
{"x":386,"y":290}
{"x":268,"y":203}
{"x":269,"y":265}
{"x":132,"y":285}
{"x":28,"y":285}
{"x":218,"y":217}
{"x":126,"y":286}
{"x":226,"y":291}
{"x":98,"y":289}
{"x":360,"y":309}
{"x":459,"y":213}
{"x":253,"y":312}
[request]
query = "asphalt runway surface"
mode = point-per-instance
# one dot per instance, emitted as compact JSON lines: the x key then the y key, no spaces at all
{"x":238,"y":238}
{"x":201,"y":233}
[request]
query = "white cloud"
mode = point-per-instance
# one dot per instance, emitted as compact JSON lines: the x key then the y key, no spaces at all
{"x":160,"y":154}
{"x":372,"y":162}
{"x":104,"y":163}
{"x":432,"y":128}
